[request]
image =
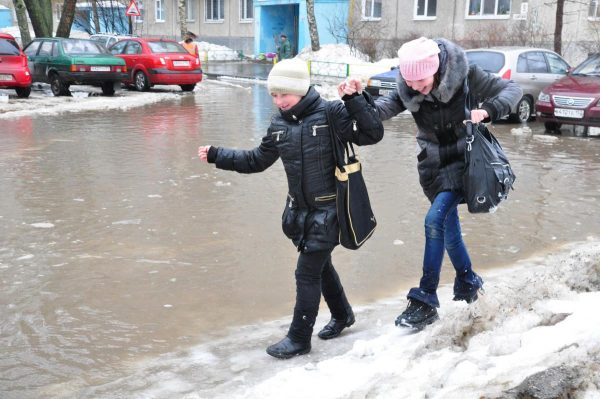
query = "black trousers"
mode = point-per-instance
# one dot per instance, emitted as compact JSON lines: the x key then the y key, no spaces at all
{"x":315,"y":274}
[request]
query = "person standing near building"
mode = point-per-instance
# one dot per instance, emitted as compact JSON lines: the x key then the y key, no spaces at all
{"x":189,"y":45}
{"x":300,"y":135}
{"x":284,"y":50}
{"x":438,"y":86}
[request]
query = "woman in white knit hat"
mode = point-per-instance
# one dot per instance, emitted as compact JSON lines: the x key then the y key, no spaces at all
{"x":432,"y":85}
{"x":299,"y":135}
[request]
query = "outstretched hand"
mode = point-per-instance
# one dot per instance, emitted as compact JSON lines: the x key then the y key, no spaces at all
{"x":349,"y":87}
{"x":203,"y":152}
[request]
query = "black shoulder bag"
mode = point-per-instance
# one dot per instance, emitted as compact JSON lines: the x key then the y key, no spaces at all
{"x":355,"y":216}
{"x":488,"y":176}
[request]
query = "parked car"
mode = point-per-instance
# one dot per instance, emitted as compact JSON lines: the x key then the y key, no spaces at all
{"x":158,"y":62}
{"x":574,"y":99}
{"x":532,"y":68}
{"x":108,"y":39}
{"x":63,"y":62}
{"x":14,"y":72}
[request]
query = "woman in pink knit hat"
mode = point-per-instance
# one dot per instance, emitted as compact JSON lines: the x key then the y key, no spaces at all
{"x":435,"y":78}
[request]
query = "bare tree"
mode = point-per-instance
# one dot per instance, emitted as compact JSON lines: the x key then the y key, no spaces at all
{"x":108,"y":15}
{"x":560,"y":11}
{"x":312,"y":25}
{"x":21,"y":12}
{"x":95,"y":16}
{"x":182,"y":17}
{"x":66,"y":18}
{"x":40,"y":15}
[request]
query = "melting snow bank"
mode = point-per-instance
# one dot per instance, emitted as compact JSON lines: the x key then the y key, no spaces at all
{"x":540,"y":315}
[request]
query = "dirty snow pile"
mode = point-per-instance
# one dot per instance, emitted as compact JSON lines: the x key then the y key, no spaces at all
{"x":540,"y":313}
{"x":214,"y":52}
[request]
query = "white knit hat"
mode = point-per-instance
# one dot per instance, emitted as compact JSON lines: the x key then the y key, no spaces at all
{"x":289,"y":77}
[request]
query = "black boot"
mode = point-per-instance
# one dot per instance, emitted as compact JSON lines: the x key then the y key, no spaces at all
{"x":287,"y":348}
{"x":417,"y":315}
{"x":335,"y":327}
{"x":467,"y":290}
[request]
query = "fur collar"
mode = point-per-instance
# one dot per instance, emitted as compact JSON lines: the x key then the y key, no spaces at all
{"x":454,"y":68}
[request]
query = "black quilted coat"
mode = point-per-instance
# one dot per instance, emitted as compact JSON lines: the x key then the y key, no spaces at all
{"x":301,"y":138}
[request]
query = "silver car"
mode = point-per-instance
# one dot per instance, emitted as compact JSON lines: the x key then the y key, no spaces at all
{"x":532,"y":68}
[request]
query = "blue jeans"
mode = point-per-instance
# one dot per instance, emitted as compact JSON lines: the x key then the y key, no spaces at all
{"x":442,"y":231}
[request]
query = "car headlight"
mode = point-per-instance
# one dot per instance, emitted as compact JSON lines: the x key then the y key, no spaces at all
{"x":543,"y":97}
{"x":374,"y":82}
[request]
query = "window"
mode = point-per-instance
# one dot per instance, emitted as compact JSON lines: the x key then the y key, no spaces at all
{"x":32,"y":49}
{"x":246,"y":10}
{"x":593,"y":13}
{"x":557,"y":64}
{"x":159,"y":14}
{"x":488,"y":8}
{"x":190,"y":10}
{"x":133,"y":48}
{"x":532,"y":62}
{"x":425,"y":9}
{"x":140,"y":5}
{"x":215,"y":10}
{"x":118,"y":48}
{"x":372,"y":9}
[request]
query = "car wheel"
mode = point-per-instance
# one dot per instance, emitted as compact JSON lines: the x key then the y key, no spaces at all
{"x":58,"y":87}
{"x":188,"y":87}
{"x":23,"y":92}
{"x":552,"y":126}
{"x":524,"y":111}
{"x":141,"y":81}
{"x":108,"y":88}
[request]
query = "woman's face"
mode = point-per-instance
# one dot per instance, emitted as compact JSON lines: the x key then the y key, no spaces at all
{"x":285,"y":101}
{"x":423,"y":86}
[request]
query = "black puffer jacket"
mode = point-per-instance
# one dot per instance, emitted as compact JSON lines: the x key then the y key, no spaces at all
{"x":440,"y":115}
{"x":300,"y":136}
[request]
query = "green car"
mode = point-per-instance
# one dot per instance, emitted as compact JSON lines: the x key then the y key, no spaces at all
{"x":63,"y":62}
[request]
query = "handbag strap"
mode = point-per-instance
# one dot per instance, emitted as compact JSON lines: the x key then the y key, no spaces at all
{"x":468,"y":122}
{"x":340,"y":147}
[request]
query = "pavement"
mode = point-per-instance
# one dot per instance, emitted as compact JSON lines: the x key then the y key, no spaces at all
{"x":237,"y":69}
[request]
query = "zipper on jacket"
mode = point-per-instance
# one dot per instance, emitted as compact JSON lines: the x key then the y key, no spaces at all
{"x":315,"y":127}
{"x":325,"y":197}
{"x":291,"y":204}
{"x":278,"y":134}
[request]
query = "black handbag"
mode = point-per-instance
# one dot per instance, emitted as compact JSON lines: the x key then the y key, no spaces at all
{"x":355,"y":216}
{"x":488,"y":176}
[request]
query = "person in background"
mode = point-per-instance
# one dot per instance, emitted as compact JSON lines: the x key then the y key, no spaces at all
{"x":284,"y":50}
{"x":299,"y":135}
{"x":435,"y":78}
{"x":189,"y":45}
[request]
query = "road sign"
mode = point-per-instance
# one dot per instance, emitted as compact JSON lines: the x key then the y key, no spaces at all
{"x":133,"y":10}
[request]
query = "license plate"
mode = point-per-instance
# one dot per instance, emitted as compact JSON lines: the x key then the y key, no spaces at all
{"x":569,"y":113}
{"x":593,"y":131}
{"x":100,"y":69}
{"x":181,"y":63}
{"x":5,"y":77}
{"x":385,"y":92}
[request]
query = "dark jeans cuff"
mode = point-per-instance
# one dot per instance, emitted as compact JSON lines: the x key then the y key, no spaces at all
{"x":420,"y":295}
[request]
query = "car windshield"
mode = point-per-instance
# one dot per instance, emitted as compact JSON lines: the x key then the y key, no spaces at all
{"x":489,"y":61}
{"x":79,"y":46}
{"x":9,"y":47}
{"x":591,"y":67}
{"x":166,"y":47}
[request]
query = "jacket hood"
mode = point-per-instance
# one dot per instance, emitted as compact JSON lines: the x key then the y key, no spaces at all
{"x":454,"y":68}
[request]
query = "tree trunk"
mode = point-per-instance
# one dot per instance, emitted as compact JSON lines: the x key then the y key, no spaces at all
{"x":312,"y":25}
{"x":21,"y":12}
{"x":560,"y":11}
{"x":95,"y":16}
{"x":66,"y":19}
{"x":182,"y":17}
{"x":38,"y":11}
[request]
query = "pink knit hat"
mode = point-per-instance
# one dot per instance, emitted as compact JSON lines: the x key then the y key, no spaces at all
{"x":419,"y":59}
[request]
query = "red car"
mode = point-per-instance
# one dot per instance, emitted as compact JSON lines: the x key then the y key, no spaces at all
{"x":574,"y":99}
{"x":14,"y":72}
{"x":158,"y":62}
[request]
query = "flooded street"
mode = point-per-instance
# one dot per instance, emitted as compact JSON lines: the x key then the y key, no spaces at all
{"x":120,"y":247}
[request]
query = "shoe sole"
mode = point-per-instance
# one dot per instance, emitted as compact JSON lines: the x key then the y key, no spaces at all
{"x":279,"y":355}
{"x":417,"y":326}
